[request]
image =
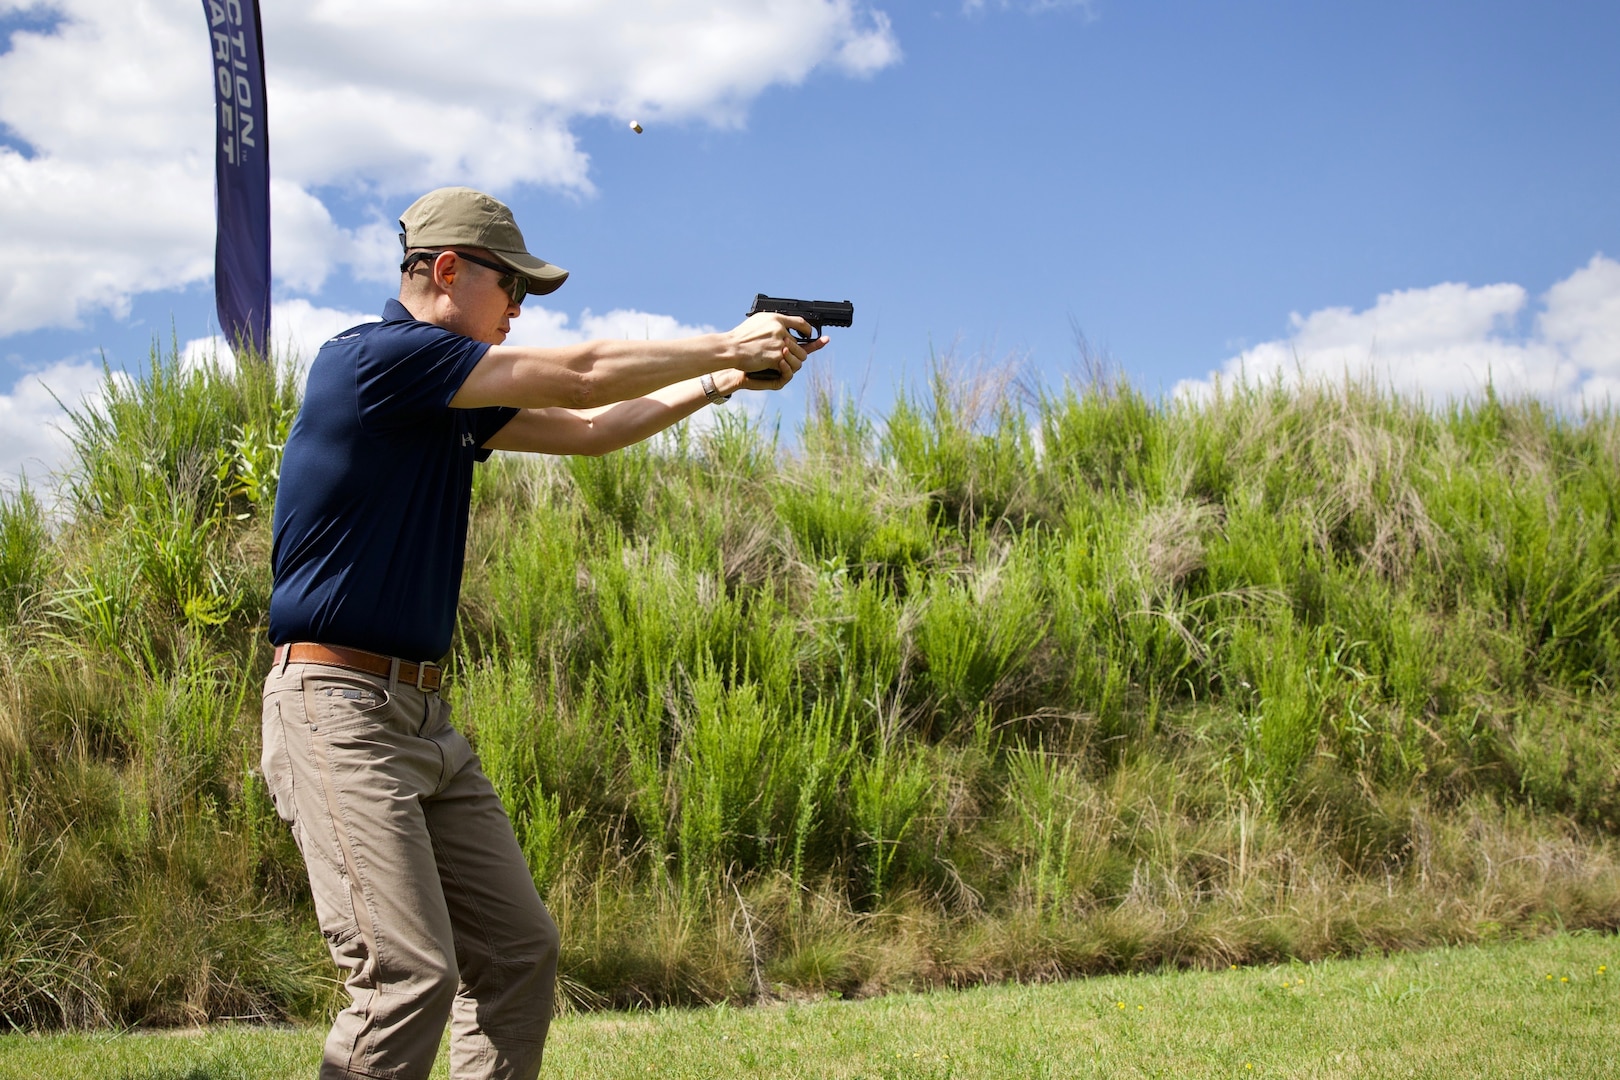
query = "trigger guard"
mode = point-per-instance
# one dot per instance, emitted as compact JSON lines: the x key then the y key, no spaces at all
{"x":802,"y":339}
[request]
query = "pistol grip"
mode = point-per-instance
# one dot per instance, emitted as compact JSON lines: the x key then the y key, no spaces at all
{"x":771,"y":374}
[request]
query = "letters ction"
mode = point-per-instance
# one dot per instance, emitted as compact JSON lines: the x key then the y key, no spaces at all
{"x":237,"y":109}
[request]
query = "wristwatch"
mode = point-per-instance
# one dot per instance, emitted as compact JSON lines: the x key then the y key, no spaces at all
{"x":711,"y":391}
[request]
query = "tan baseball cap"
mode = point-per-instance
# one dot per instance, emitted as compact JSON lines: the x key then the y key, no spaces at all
{"x":452,"y":216}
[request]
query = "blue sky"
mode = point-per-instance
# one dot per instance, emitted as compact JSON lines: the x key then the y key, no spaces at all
{"x":1425,"y":192}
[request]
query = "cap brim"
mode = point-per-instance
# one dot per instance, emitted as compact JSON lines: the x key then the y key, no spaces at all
{"x":543,"y":276}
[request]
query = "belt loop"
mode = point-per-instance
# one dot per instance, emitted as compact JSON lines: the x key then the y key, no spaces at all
{"x":393,"y":675}
{"x":284,"y":654}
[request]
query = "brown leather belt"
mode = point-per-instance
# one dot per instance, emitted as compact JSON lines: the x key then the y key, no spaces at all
{"x":425,"y":677}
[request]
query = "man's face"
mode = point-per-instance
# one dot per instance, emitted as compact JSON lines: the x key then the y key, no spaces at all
{"x":483,"y":310}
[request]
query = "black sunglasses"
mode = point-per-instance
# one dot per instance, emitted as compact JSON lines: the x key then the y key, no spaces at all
{"x":515,"y":285}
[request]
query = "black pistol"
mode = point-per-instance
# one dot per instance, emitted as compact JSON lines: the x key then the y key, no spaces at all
{"x":817,"y":313}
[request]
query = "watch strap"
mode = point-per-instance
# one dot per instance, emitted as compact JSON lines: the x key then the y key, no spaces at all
{"x":710,"y":391}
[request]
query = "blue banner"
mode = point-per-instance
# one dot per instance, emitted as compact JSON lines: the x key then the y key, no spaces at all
{"x":241,"y":175}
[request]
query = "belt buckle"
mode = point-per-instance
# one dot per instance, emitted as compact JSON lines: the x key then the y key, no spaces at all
{"x":421,"y":675}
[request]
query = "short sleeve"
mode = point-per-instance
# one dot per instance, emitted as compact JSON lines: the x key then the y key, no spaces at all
{"x":485,"y":423}
{"x":399,"y":383}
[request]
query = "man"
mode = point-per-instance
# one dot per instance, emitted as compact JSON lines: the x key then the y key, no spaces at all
{"x":419,"y":885}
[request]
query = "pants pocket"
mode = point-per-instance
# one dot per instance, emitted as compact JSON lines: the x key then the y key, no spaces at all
{"x":335,"y":701}
{"x":275,"y":761}
{"x":334,"y":910}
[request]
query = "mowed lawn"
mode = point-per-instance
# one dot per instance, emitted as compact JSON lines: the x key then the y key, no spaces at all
{"x":1540,"y":1009}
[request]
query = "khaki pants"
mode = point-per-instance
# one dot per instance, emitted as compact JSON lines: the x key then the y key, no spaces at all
{"x":421,"y":890}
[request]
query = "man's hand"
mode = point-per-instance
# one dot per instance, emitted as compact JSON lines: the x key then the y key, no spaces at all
{"x":766,"y":343}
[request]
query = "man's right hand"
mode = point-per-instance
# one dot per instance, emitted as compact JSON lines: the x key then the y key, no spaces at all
{"x":766,"y":342}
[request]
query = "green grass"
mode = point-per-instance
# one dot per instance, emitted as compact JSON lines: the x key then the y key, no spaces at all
{"x":992,"y":688}
{"x":1540,"y":1009}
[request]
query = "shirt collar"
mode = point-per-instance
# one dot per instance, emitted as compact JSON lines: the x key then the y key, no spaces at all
{"x":394,"y":311}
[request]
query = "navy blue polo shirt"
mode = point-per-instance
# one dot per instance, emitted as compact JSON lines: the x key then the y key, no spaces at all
{"x":371,"y":510}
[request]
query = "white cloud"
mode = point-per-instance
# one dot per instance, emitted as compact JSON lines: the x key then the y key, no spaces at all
{"x":95,"y":234}
{"x":1583,"y":317}
{"x":868,"y":53}
{"x":539,"y":326}
{"x":1449,"y":341}
{"x":297,"y":331}
{"x":114,"y":102}
{"x":308,"y":246}
{"x":33,"y":442}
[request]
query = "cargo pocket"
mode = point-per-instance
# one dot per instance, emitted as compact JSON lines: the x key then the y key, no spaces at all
{"x":336,"y":914}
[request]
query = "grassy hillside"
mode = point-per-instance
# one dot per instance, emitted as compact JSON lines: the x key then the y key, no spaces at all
{"x":988,"y":688}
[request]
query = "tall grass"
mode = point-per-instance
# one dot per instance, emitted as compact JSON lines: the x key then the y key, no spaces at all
{"x":993,"y":687}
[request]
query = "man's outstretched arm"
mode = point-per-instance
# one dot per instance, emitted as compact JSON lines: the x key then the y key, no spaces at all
{"x":599,"y":373}
{"x":593,"y":432}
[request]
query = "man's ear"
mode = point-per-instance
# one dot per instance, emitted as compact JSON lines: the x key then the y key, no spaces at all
{"x":444,"y":269}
